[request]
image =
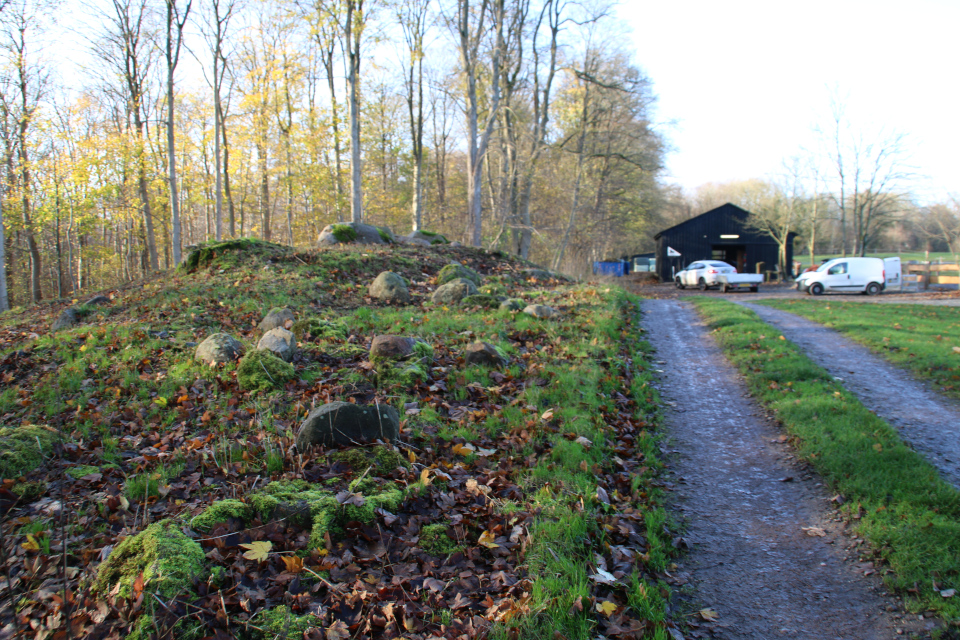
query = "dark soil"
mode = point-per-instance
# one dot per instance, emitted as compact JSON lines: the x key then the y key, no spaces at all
{"x":746,"y":502}
{"x":928,"y":421}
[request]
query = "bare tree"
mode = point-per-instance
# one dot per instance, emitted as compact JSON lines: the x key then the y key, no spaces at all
{"x":941,"y":222}
{"x":413,"y":17}
{"x":175,"y":24}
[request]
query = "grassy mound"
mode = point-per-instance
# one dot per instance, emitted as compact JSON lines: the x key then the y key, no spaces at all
{"x":22,"y":449}
{"x":261,"y":370}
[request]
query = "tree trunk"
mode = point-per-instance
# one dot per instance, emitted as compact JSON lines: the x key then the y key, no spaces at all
{"x":4,"y":296}
{"x":226,"y":183}
{"x":264,"y":188}
{"x":352,"y":45}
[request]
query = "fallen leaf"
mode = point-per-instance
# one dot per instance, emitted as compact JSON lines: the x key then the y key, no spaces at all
{"x":584,"y":442}
{"x":709,"y":614}
{"x":258,"y":550}
{"x":294,"y":564}
{"x":603,"y":577}
{"x":349,"y":497}
{"x":337,"y":631}
{"x":486,"y":539}
{"x":425,"y":477}
{"x":956,"y":349}
{"x":433,"y":584}
{"x":606,"y":608}
{"x":815,"y":532}
{"x":948,"y":593}
{"x":548,"y":414}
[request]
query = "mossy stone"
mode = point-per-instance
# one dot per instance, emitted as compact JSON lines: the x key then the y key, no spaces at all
{"x":23,"y":448}
{"x":222,"y":511}
{"x":82,"y":470}
{"x":169,"y":560}
{"x":454,"y":291}
{"x":481,"y":300}
{"x":513,"y":304}
{"x":218,"y":349}
{"x":390,"y":287}
{"x":261,"y":370}
{"x":279,"y":341}
{"x":277,"y":317}
{"x":349,"y":424}
{"x":456,"y":270}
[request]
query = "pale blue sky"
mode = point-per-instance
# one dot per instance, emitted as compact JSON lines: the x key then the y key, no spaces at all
{"x":746,"y":81}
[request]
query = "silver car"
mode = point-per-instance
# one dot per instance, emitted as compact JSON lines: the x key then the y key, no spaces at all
{"x":703,"y":274}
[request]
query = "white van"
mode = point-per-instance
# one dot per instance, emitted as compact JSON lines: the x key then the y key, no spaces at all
{"x":855,"y":275}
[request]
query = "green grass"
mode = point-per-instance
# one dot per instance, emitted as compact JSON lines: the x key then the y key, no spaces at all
{"x":899,"y":504}
{"x":905,"y":256}
{"x":919,"y":338}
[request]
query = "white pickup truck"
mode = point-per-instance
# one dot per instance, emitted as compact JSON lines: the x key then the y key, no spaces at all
{"x":729,"y":281}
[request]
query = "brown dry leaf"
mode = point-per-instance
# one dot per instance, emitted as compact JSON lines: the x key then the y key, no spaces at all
{"x":349,"y":497}
{"x":338,"y":631}
{"x":547,"y":415}
{"x":433,"y":584}
{"x":486,"y":539}
{"x":709,"y":614}
{"x":956,"y":349}
{"x":815,"y":532}
{"x":425,"y":477}
{"x":411,"y":456}
{"x":258,"y":550}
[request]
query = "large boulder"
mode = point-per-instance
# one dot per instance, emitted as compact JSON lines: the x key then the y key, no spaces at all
{"x":390,"y":287}
{"x":97,"y":300}
{"x":219,"y":348}
{"x":456,"y":270}
{"x":277,"y":317}
{"x":349,"y":424}
{"x":453,"y":292}
{"x":280,"y":341}
{"x":392,"y":348}
{"x":483,"y":353}
{"x":68,"y":317}
{"x":357,"y":232}
{"x":540,"y":274}
{"x":540,"y":311}
{"x":428,"y":237}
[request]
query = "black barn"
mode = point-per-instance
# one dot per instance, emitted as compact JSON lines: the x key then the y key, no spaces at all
{"x":719,"y":234}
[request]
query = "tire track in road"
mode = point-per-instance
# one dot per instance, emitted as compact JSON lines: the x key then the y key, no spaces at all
{"x":929,"y":422}
{"x":750,"y":558}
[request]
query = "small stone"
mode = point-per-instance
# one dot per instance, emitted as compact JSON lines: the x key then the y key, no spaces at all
{"x":344,"y":423}
{"x":453,"y":292}
{"x":483,"y":353}
{"x":392,"y":348}
{"x":99,"y":300}
{"x":512,"y":304}
{"x":68,"y":318}
{"x":278,"y":317}
{"x":540,"y":311}
{"x":280,"y":341}
{"x":390,"y":287}
{"x":219,"y":348}
{"x":357,"y":232}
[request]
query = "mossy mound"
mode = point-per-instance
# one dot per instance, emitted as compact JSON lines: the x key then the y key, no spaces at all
{"x":344,"y":233}
{"x":456,"y":270}
{"x":82,"y":470}
{"x":304,"y":505}
{"x":493,"y":289}
{"x":382,"y":458}
{"x":435,"y":541}
{"x":280,"y":623}
{"x":206,"y":253}
{"x":404,"y":374}
{"x":385,"y":235}
{"x":23,"y":448}
{"x":169,"y":560}
{"x":317,"y":328}
{"x":261,"y":370}
{"x":481,"y":300}
{"x":222,"y":511}
{"x":30,"y":491}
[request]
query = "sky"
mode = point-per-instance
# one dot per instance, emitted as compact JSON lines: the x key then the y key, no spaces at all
{"x":743,"y":84}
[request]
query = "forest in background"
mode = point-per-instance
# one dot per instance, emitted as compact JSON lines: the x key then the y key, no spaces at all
{"x":518,"y":125}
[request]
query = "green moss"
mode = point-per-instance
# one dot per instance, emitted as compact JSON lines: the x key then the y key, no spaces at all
{"x":260,"y":370}
{"x":382,"y":458}
{"x":493,"y":289}
{"x":344,"y":233}
{"x":206,"y":253}
{"x":435,"y":541}
{"x":480,"y":300}
{"x":385,"y":235}
{"x":22,"y":449}
{"x":319,"y":328}
{"x":406,"y":374}
{"x":82,"y":470}
{"x":30,"y":491}
{"x":169,"y":561}
{"x":423,"y":350}
{"x":221,"y":511}
{"x":513,"y":304}
{"x":280,"y":624}
{"x":454,"y":270}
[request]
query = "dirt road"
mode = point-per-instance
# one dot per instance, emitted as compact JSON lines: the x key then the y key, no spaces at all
{"x":747,"y":503}
{"x":928,"y":421}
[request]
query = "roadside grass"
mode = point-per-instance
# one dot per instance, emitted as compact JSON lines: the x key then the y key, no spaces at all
{"x":895,"y":498}
{"x":922,"y":339}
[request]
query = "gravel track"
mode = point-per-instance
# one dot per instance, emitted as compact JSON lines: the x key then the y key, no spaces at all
{"x":928,"y":421}
{"x":746,"y":503}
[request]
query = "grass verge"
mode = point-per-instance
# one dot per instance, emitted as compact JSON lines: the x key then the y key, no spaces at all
{"x":894,"y":496}
{"x":922,"y":339}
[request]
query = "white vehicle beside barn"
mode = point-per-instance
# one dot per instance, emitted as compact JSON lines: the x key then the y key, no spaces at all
{"x":851,"y":275}
{"x":706,"y":274}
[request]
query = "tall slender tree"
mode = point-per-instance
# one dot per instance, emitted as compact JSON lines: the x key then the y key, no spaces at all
{"x":175,"y":23}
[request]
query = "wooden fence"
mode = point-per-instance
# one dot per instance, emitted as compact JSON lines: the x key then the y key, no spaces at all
{"x":926,"y":273}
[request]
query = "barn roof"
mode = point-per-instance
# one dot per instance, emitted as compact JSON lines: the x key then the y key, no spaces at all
{"x":727,"y":209}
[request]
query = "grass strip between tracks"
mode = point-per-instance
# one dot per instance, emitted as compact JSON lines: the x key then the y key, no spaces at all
{"x":894,"y":496}
{"x":921,"y":338}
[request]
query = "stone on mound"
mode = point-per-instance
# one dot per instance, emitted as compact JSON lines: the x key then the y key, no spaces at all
{"x":540,"y":311}
{"x":390,"y":287}
{"x":95,"y":300}
{"x":540,"y":274}
{"x":281,"y":342}
{"x":68,"y":317}
{"x":513,"y":304}
{"x":393,"y":347}
{"x":427,"y":236}
{"x":481,"y":300}
{"x":277,"y":317}
{"x":456,"y":270}
{"x":357,"y":232}
{"x":344,"y":423}
{"x":484,"y":353}
{"x":219,"y":348}
{"x":453,"y":292}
